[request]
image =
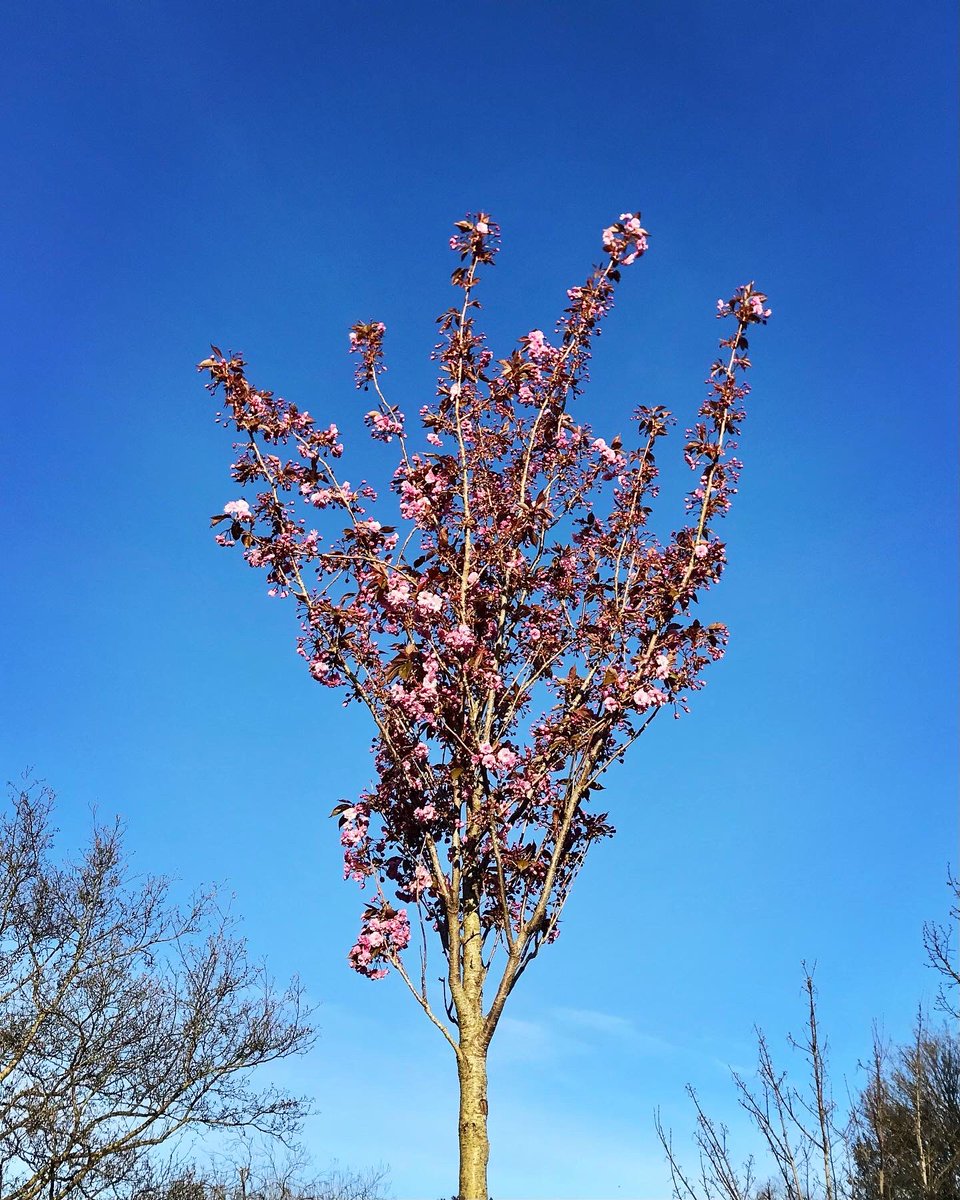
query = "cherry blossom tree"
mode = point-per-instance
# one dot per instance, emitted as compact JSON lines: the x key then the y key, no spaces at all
{"x":512,"y":630}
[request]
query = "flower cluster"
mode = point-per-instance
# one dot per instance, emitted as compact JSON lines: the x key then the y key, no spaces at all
{"x":625,"y":240}
{"x":366,"y":340}
{"x":384,"y":933}
{"x":385,"y":425}
{"x":477,"y":239}
{"x":747,"y":305}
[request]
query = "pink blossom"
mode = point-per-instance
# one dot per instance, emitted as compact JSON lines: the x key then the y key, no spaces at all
{"x":538,"y":347}
{"x":422,"y":880}
{"x":459,"y":638}
{"x":604,"y":450}
{"x":399,"y":594}
{"x":756,"y":307}
{"x":383,"y":426}
{"x":429,"y":602}
{"x":382,"y":937}
{"x":239,"y":510}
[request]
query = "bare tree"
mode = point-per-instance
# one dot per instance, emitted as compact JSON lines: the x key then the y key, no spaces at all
{"x":259,"y":1172}
{"x":938,"y":943}
{"x":869,"y":1130}
{"x":796,"y":1124}
{"x":900,"y":1140}
{"x":905,"y":1127}
{"x":124,"y":1019}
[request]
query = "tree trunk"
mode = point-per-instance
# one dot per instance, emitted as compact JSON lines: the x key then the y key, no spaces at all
{"x":472,"y":1060}
{"x":474,"y":1143}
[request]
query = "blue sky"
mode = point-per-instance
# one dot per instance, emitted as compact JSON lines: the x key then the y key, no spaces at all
{"x":178,"y":173}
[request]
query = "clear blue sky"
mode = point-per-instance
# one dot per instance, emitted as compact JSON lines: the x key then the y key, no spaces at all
{"x":263,"y":177}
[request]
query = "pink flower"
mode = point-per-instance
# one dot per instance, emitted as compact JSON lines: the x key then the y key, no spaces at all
{"x":429,"y":602}
{"x":422,"y":880}
{"x":700,"y":550}
{"x":459,"y":638}
{"x":399,"y":594}
{"x":756,"y":307}
{"x":381,"y":938}
{"x":426,"y":813}
{"x":239,"y":510}
{"x":648,"y":697}
{"x":383,"y":426}
{"x":537,"y":345}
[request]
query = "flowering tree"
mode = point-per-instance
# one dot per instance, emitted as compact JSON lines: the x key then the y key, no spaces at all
{"x":512,"y":634}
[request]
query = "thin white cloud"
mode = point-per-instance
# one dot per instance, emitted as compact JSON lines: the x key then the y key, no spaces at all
{"x":594,"y":1019}
{"x":565,"y":1032}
